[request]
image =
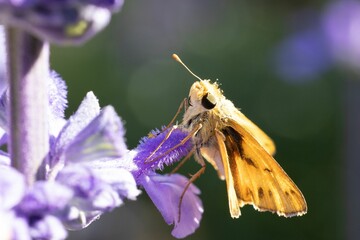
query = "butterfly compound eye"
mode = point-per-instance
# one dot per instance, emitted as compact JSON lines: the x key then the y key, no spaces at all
{"x":208,"y":101}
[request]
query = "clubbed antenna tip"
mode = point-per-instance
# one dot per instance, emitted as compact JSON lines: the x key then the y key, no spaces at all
{"x":177,"y":58}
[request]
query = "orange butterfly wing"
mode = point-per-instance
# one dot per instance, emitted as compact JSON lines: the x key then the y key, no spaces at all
{"x":240,"y":120}
{"x":253,"y":176}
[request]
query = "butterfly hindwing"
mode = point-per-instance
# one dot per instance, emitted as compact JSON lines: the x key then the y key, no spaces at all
{"x":257,"y":178}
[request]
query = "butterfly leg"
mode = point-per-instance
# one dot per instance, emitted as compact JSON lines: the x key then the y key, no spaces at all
{"x":182,"y":104}
{"x":185,"y":159}
{"x":191,"y":180}
{"x":182,"y":142}
{"x":147,"y":160}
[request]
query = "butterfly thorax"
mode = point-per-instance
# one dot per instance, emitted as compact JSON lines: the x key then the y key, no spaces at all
{"x":205,"y":112}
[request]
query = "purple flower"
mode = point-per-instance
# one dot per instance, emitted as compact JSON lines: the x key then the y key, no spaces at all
{"x":155,"y":151}
{"x":82,"y":159}
{"x":61,"y":22}
{"x":82,"y":175}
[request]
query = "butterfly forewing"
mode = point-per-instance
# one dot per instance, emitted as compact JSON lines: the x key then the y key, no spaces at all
{"x":239,"y":119}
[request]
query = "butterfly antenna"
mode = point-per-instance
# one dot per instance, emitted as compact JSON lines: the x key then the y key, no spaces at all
{"x":176,"y":58}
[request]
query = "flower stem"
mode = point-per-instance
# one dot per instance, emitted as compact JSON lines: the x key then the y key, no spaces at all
{"x":28,"y":74}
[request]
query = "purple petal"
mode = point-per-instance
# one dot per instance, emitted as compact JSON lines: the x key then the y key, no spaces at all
{"x":102,"y":138}
{"x":12,"y":187}
{"x":79,"y":178}
{"x":91,"y":192}
{"x":87,"y":111}
{"x":4,"y":159}
{"x":20,"y":228}
{"x":57,"y":103}
{"x":105,"y":200}
{"x":45,"y":197}
{"x":48,"y":227}
{"x":168,"y":152}
{"x":6,"y":226}
{"x":121,"y":180}
{"x":165,"y":192}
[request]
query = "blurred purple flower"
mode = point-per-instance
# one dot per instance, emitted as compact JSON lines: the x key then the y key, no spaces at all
{"x":12,"y":187}
{"x":48,"y":227}
{"x":332,"y":37}
{"x":44,"y":197}
{"x":303,"y":55}
{"x":61,"y":22}
{"x":39,"y":207}
{"x":341,"y":23}
{"x":28,"y":210}
{"x":155,"y":151}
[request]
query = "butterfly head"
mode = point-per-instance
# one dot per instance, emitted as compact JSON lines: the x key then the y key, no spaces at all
{"x":203,"y":96}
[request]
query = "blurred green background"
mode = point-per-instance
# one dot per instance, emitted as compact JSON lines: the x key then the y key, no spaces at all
{"x":129,"y":66}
